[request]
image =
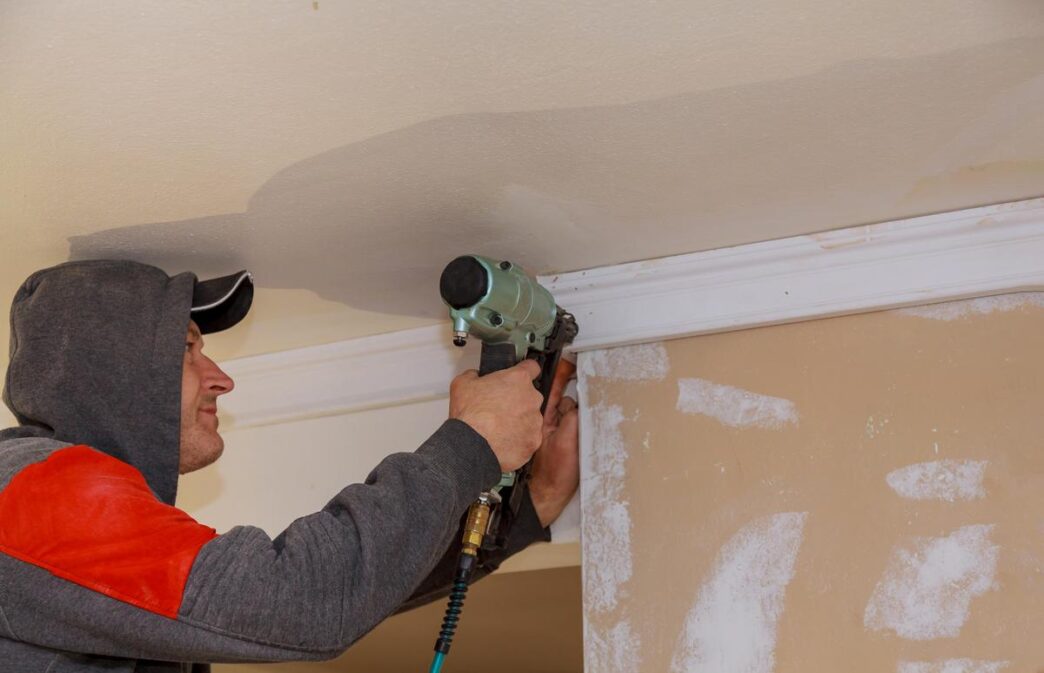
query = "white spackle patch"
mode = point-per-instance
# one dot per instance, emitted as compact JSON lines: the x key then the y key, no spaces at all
{"x":732,"y":626}
{"x":606,"y":522}
{"x":874,"y":428}
{"x":644,"y":362}
{"x":616,"y":650}
{"x":734,"y":406}
{"x":929,"y":583}
{"x":952,"y":666}
{"x":948,"y":480}
{"x":964,"y":308}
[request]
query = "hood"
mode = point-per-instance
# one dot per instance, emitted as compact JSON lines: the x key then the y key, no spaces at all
{"x":97,"y":349}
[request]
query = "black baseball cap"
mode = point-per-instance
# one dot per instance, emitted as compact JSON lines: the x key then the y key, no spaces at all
{"x":220,"y":303}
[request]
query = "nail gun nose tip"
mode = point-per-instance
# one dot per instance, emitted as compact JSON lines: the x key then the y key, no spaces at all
{"x":460,"y":342}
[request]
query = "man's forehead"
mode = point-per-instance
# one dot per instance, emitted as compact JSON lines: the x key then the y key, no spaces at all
{"x":194,"y":329}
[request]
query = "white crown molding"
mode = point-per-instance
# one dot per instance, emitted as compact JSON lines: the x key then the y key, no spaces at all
{"x":923,"y":260}
{"x":975,"y":252}
{"x":344,"y":377}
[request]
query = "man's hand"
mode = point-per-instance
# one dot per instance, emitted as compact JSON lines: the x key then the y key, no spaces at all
{"x":556,"y":466}
{"x":503,"y":407}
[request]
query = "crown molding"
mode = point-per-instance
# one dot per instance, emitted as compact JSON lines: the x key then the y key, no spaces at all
{"x":968,"y":253}
{"x":344,"y":377}
{"x":923,"y":260}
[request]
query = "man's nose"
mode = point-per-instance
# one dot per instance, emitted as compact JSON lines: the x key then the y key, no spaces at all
{"x":217,"y":380}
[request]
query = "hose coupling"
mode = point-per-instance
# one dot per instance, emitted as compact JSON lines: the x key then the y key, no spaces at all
{"x":480,"y":515}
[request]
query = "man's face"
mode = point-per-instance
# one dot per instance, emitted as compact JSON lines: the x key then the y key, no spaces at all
{"x":202,"y":381}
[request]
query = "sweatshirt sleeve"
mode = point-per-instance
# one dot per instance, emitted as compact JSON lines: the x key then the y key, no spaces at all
{"x":323,"y":583}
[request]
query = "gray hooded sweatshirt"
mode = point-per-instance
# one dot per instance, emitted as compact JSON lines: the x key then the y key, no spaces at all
{"x":100,"y":572}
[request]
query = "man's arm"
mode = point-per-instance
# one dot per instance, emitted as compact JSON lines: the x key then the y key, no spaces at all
{"x":93,"y":562}
{"x":308,"y":594}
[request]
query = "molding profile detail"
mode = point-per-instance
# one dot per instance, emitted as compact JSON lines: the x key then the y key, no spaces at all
{"x":968,"y":253}
{"x":372,"y":372}
{"x":923,"y":260}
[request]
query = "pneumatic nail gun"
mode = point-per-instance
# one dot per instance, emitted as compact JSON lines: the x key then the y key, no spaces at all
{"x":515,"y":318}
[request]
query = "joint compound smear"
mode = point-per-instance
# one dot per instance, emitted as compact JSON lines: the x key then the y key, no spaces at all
{"x":929,"y":583}
{"x":948,"y":480}
{"x":613,"y":650}
{"x":732,"y":626}
{"x":734,"y":406}
{"x":645,"y":362}
{"x":952,"y":666}
{"x":606,"y":522}
{"x":954,"y":310}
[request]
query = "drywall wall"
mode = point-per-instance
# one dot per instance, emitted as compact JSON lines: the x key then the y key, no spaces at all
{"x":860,"y":493}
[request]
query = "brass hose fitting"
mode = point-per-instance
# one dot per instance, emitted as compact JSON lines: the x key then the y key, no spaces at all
{"x":475,"y":528}
{"x":477,"y":525}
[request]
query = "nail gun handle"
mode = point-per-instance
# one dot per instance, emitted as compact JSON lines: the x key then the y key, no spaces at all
{"x":496,"y":357}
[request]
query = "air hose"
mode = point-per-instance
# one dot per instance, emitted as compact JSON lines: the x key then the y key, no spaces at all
{"x":465,"y":567}
{"x":474,"y":531}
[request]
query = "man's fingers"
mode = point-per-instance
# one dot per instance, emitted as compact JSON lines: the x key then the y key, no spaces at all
{"x":461,"y":379}
{"x":564,"y":417}
{"x":563,"y":372}
{"x":530,"y":367}
{"x":552,"y":415}
{"x":570,"y":421}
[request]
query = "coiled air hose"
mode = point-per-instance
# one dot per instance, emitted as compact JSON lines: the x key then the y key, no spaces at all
{"x":474,"y":530}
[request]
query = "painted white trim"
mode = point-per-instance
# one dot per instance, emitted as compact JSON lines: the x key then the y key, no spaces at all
{"x":344,"y":377}
{"x":981,"y":251}
{"x":976,"y":252}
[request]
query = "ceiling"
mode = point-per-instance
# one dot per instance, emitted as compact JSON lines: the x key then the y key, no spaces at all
{"x":344,"y":152}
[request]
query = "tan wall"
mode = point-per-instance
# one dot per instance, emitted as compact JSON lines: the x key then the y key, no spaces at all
{"x":856,"y":494}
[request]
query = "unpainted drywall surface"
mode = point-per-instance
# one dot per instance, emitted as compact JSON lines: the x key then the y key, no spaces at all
{"x":370,"y":224}
{"x":863,"y":493}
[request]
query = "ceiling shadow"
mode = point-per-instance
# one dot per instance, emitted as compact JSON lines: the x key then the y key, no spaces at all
{"x":372,"y":224}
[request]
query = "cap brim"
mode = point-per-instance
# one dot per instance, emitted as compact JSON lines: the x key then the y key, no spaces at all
{"x":220,"y":303}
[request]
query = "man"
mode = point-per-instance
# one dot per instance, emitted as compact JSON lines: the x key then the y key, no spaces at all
{"x":114,"y":398}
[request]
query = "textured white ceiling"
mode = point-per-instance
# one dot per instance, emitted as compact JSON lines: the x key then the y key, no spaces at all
{"x":344,"y":152}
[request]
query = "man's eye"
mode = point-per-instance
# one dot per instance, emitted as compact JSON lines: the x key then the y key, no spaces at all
{"x":189,"y":345}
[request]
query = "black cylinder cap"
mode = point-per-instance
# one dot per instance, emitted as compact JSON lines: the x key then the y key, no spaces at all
{"x":464,"y":282}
